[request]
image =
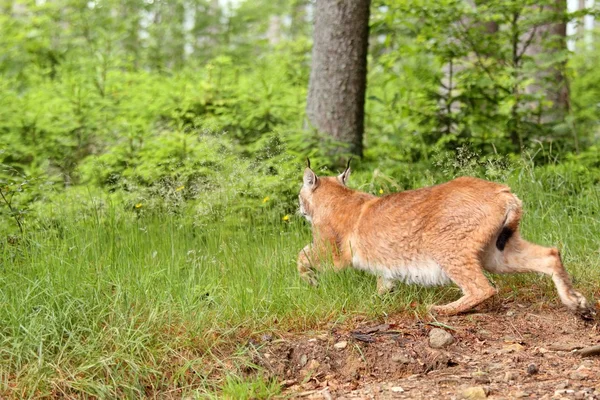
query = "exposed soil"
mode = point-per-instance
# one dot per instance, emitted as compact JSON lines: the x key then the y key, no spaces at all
{"x":512,"y":351}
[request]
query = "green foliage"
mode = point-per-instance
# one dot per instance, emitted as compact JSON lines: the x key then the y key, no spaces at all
{"x":490,"y":74}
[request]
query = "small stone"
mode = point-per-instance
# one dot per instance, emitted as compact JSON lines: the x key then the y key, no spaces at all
{"x":400,"y":359}
{"x":510,"y":313}
{"x":397,"y":389}
{"x":521,"y":394}
{"x":474,"y":393}
{"x":439,"y":338}
{"x":532,"y":369}
{"x":266,"y":337}
{"x":303,"y":360}
{"x":341,"y":345}
{"x":311,"y":367}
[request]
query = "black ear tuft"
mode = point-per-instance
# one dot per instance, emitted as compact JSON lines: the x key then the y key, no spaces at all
{"x":307,"y":162}
{"x":343,"y":177}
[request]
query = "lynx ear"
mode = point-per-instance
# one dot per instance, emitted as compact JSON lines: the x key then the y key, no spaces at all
{"x":310,"y":179}
{"x":343,"y":177}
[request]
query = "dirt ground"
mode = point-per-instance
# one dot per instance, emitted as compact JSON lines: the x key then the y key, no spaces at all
{"x":506,"y":352}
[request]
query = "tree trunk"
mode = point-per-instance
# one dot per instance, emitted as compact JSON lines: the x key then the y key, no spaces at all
{"x":338,"y":77}
{"x":177,"y":35}
{"x":552,"y":38}
{"x":581,"y":22}
{"x":559,"y":93}
{"x":131,"y":15}
{"x":274,"y":30}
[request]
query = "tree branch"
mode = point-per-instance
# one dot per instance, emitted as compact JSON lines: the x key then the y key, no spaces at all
{"x":479,"y":62}
{"x":12,"y":210}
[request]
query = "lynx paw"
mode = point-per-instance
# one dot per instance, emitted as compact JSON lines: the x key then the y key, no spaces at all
{"x":310,"y":278}
{"x":580,"y":306}
{"x":443,"y":310}
{"x":385,"y":286}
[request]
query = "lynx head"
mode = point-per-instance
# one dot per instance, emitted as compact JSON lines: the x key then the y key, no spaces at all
{"x":317,"y":189}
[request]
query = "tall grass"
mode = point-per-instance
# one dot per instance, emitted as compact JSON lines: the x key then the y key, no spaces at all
{"x":107,"y":304}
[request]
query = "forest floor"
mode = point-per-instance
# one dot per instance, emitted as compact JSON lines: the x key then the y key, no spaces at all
{"x":505,"y":351}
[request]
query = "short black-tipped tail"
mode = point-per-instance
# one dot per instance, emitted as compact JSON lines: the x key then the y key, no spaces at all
{"x":503,"y":238}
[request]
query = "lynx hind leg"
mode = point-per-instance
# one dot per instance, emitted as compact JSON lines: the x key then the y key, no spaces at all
{"x":519,"y":255}
{"x":467,"y":273}
{"x":385,"y":286}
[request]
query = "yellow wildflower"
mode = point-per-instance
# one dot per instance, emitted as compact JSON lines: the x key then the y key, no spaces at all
{"x":180,"y":188}
{"x":138,"y":205}
{"x":266,"y":199}
{"x":286,"y":218}
{"x":380,"y":191}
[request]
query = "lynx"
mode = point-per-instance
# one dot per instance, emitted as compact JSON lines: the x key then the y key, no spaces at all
{"x":451,"y":232}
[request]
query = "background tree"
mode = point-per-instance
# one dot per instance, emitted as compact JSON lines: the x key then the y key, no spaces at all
{"x":336,"y":92}
{"x":549,"y":48}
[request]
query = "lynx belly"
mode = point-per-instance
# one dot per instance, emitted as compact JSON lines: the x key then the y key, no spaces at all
{"x":424,"y":272}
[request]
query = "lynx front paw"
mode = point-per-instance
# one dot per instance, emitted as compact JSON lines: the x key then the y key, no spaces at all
{"x":309,"y":277}
{"x":385,"y":286}
{"x":578,"y":303}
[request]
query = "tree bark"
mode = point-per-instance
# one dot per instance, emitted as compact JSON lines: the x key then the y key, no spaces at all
{"x":338,"y":78}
